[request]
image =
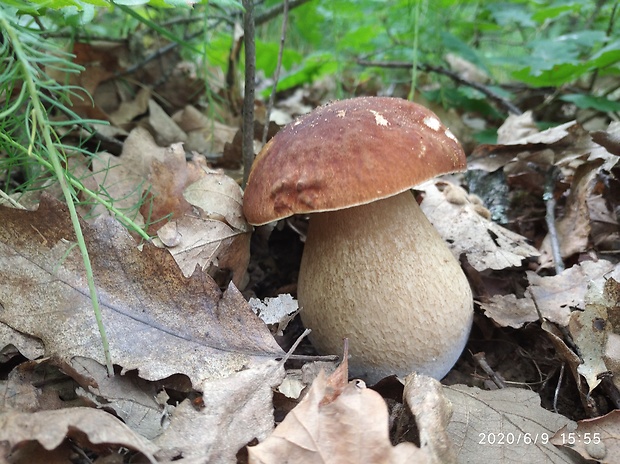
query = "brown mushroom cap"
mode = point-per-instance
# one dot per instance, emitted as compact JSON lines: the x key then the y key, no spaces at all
{"x":349,"y":153}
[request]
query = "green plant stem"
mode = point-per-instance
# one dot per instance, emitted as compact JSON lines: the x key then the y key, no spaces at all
{"x":37,"y":116}
{"x":248,"y":99}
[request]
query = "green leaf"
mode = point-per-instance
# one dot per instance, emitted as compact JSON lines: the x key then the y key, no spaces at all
{"x":558,"y":75}
{"x":555,"y":11}
{"x":453,"y":43}
{"x":267,"y":57}
{"x":591,"y":102}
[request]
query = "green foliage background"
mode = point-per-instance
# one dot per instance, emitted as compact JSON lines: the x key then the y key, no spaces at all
{"x":564,"y":51}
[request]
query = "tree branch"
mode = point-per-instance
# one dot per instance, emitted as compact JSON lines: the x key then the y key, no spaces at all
{"x":510,"y":107}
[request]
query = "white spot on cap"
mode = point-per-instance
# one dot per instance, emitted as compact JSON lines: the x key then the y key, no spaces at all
{"x":379,"y":119}
{"x":449,"y":134}
{"x":341,"y":113}
{"x":431,"y":122}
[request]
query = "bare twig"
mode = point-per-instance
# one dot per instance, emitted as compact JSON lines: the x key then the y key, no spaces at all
{"x":510,"y":107}
{"x":550,"y":219}
{"x":295,"y":345}
{"x":556,"y":394}
{"x":276,"y":76}
{"x":480,"y":358}
{"x":276,"y":10}
{"x":248,"y":97}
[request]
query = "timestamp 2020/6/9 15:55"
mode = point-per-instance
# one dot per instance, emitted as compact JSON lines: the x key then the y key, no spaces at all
{"x":511,"y":438}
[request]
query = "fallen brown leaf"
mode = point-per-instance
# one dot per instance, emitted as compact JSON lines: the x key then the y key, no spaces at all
{"x":351,"y":427}
{"x":458,"y":220}
{"x":555,"y":296}
{"x":503,"y":426}
{"x":595,"y":439}
{"x":432,"y":410}
{"x":153,"y":315}
{"x":90,"y":426}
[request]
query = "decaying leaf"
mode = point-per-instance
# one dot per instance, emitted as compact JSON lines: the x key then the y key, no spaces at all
{"x":506,"y":425}
{"x":343,"y":426}
{"x":595,"y":439}
{"x":195,"y":211}
{"x":132,"y":399}
{"x":573,"y":228}
{"x":591,"y":328}
{"x":557,"y":146}
{"x":30,"y":347}
{"x":276,"y":312}
{"x":235,"y":411}
{"x":165,"y":129}
{"x":459,"y":221}
{"x":205,"y":136}
{"x":432,"y":410}
{"x":51,"y":428}
{"x":214,"y":234}
{"x":555,"y":296}
{"x":153,"y":316}
{"x":159,"y":323}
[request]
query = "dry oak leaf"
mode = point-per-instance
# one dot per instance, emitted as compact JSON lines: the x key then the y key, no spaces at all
{"x":503,"y":426}
{"x":457,"y":219}
{"x":51,"y":428}
{"x":351,"y":427}
{"x":215,"y":234}
{"x":593,"y":329}
{"x":157,"y":321}
{"x":563,"y":145}
{"x":595,"y":439}
{"x":555,"y":296}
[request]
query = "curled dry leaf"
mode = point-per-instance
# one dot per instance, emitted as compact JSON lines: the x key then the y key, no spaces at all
{"x":350,"y":426}
{"x":165,"y":129}
{"x":595,"y":439}
{"x":133,"y":400}
{"x":461,"y":222}
{"x":205,"y":136}
{"x":30,"y":347}
{"x":214,"y":234}
{"x":195,"y":212}
{"x":51,"y":428}
{"x":432,"y":410}
{"x":504,"y":426}
{"x":563,"y":145}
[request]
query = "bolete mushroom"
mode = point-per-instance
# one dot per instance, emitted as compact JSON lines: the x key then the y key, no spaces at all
{"x":374,"y":269}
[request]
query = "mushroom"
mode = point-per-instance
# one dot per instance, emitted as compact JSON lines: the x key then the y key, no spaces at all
{"x":374,"y":270}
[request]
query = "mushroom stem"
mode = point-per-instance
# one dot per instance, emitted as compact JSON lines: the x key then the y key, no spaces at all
{"x":380,"y":275}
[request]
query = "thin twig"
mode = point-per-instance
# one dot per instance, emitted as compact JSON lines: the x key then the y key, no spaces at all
{"x":556,"y":394}
{"x":480,"y":358}
{"x":510,"y":107}
{"x":290,"y":352}
{"x":248,"y":98}
{"x":549,"y":200}
{"x":276,"y":10}
{"x":13,"y":203}
{"x":276,"y":76}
